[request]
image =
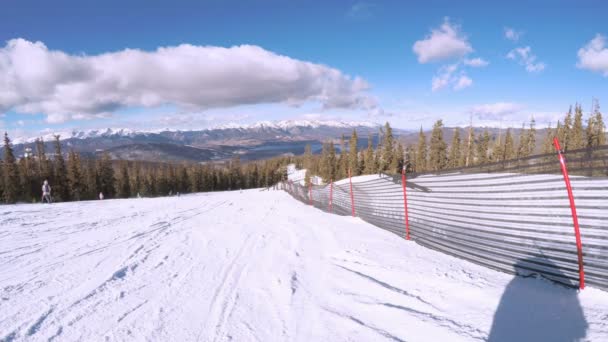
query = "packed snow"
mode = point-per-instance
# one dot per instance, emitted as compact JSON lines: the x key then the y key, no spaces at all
{"x":258,"y":266}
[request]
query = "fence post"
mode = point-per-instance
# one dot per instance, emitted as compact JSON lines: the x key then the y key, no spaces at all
{"x":577,"y":232}
{"x":331,"y":192}
{"x":407,"y":219}
{"x":310,"y":193}
{"x":352,"y":197}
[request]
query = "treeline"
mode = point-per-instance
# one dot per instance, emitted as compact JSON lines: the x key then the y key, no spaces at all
{"x":465,"y":149}
{"x":483,"y":148}
{"x":75,"y":178}
{"x":387,"y":157}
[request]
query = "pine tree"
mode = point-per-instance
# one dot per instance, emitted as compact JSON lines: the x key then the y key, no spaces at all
{"x":27,"y":179}
{"x":522,"y":147}
{"x":235,"y":173}
{"x":566,"y":132}
{"x":183,"y":185}
{"x":1,"y":181}
{"x":342,"y":168}
{"x":388,"y":145}
{"x":10,"y":173}
{"x":163,"y":187}
{"x":410,"y":157}
{"x":577,"y":139}
{"x":136,"y":185}
{"x":124,"y":183}
{"x":106,"y":178}
{"x":61,"y":189}
{"x":75,"y":178}
{"x":454,"y":158}
{"x":307,"y":178}
{"x":91,"y":185}
{"x":377,"y":160}
{"x":600,"y":130}
{"x":45,"y":169}
{"x":398,"y":159}
{"x":497,"y":149}
{"x":307,"y":164}
{"x":438,"y":148}
{"x":255,"y":177}
{"x":331,"y":163}
{"x":559,"y":131}
{"x":469,"y":151}
{"x":509,"y":147}
{"x":324,"y":172}
{"x":421,"y":153}
{"x":370,"y":162}
{"x":547,"y":147}
{"x":148,"y":185}
{"x":597,"y":133}
{"x":483,"y":147}
{"x":353,"y":161}
{"x":328,"y":162}
{"x":361,"y":157}
{"x":531,"y":138}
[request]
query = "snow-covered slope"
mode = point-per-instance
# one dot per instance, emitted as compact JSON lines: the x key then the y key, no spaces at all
{"x":257,"y":266}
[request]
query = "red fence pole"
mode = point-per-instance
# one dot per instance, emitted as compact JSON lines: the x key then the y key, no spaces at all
{"x":331,"y":192}
{"x":310,"y":193}
{"x":352,"y":197}
{"x":407,"y":219}
{"x":577,"y":232}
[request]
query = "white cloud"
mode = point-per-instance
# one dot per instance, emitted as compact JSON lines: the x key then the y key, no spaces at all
{"x":512,"y":35}
{"x":594,"y":55}
{"x":362,"y":10}
{"x":379,"y":113}
{"x":444,"y":78}
{"x":495,"y":111}
{"x":463,"y":82}
{"x":439,"y":82}
{"x":524,"y":56}
{"x":443,"y":43}
{"x":449,"y":76}
{"x":34,"y":79}
{"x":476,"y":62}
{"x":313,"y":116}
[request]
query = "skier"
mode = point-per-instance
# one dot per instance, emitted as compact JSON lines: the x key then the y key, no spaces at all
{"x":46,"y":192}
{"x":101,"y":195}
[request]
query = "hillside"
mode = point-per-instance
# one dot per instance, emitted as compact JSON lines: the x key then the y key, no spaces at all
{"x":257,"y":265}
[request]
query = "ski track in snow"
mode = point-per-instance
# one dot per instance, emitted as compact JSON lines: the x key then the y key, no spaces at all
{"x":243,"y":266}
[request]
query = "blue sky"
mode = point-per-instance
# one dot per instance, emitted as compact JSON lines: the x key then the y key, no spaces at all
{"x":71,"y":64}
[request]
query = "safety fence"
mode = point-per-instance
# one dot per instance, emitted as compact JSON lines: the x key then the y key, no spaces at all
{"x":513,"y":216}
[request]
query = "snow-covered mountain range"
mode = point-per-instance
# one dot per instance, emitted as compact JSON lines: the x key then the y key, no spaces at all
{"x":252,"y":141}
{"x":285,"y":125}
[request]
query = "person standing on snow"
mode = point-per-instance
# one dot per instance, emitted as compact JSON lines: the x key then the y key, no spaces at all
{"x":46,"y":192}
{"x":101,"y":195}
